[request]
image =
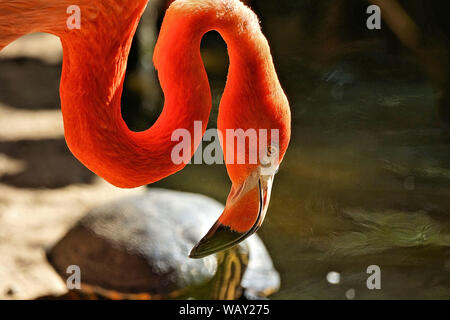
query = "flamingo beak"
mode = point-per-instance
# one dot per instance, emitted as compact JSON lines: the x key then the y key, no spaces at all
{"x":244,"y":213}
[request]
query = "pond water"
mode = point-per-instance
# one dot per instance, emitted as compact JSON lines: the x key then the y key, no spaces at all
{"x":366,"y":179}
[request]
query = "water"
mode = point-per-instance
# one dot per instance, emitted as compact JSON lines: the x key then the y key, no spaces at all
{"x":366,"y":179}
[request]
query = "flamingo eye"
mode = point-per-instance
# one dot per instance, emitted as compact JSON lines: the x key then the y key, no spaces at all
{"x":272,"y":150}
{"x":270,"y":161}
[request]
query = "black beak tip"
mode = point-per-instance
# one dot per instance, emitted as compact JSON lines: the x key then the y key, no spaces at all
{"x":197,"y":251}
{"x":218,"y":238}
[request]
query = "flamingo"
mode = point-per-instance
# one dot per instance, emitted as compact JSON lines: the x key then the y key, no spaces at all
{"x":94,"y":63}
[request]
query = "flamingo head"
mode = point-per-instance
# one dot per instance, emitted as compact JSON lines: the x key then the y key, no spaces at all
{"x":252,"y":156}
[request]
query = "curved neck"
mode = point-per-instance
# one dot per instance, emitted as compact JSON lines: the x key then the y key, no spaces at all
{"x":94,"y":65}
{"x":93,"y":74}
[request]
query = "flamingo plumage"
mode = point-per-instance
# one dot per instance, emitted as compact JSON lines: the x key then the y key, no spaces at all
{"x":94,"y":64}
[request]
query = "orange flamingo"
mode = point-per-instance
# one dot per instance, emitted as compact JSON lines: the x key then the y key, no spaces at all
{"x":94,"y":63}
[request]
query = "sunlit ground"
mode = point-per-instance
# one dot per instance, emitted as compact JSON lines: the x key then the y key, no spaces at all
{"x":43,"y":188}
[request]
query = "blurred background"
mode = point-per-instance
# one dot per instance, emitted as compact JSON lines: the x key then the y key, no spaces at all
{"x":366,"y":180}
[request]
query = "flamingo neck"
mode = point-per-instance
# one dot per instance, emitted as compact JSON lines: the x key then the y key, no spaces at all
{"x":92,"y":79}
{"x":94,"y":65}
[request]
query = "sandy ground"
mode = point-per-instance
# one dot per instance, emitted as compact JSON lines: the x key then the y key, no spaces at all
{"x":43,"y":189}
